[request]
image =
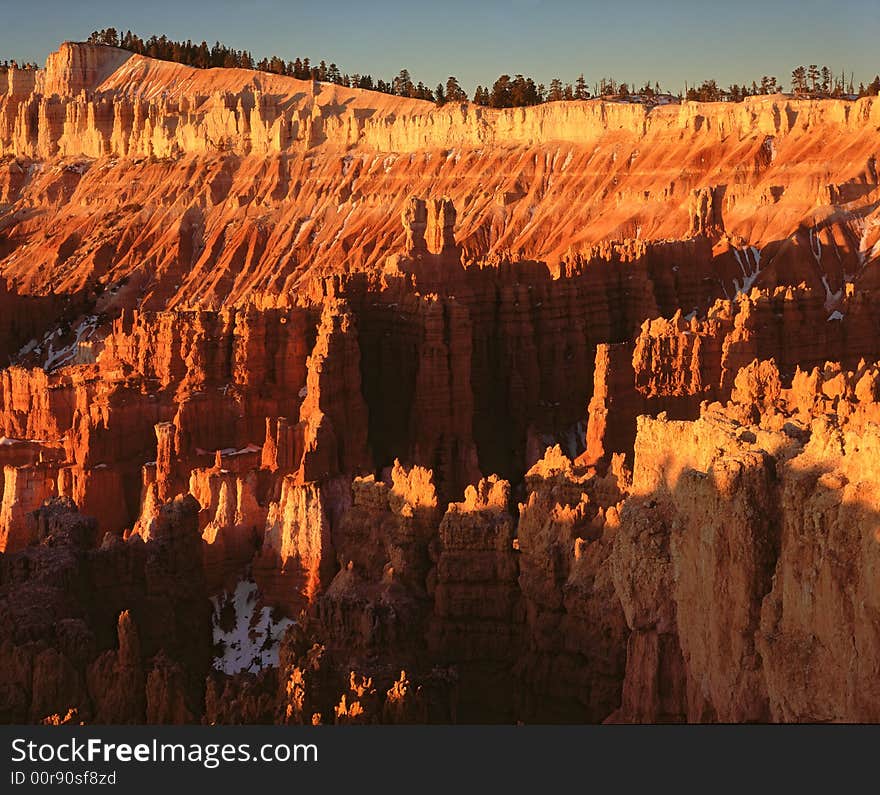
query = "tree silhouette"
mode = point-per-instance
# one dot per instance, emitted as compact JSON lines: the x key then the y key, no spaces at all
{"x":500,"y":96}
{"x":708,"y":91}
{"x":454,"y":92}
{"x":506,"y":92}
{"x":556,"y":93}
{"x":403,"y":84}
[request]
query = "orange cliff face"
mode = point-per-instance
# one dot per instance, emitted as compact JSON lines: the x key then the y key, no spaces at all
{"x":219,"y":184}
{"x":456,"y":383}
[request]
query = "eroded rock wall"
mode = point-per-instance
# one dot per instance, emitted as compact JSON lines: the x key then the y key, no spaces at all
{"x":556,"y":414}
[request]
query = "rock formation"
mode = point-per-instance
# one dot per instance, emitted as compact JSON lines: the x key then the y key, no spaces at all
{"x":556,"y":414}
{"x":85,"y":621}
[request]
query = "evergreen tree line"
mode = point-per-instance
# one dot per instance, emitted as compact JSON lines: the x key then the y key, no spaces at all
{"x":818,"y":81}
{"x":203,"y":56}
{"x":506,"y":92}
{"x":810,"y":81}
{"x":4,"y":65}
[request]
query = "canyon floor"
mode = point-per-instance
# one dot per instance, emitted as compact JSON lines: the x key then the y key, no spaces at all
{"x":321,"y":405}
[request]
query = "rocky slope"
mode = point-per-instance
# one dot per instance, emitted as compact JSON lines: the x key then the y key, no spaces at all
{"x":550,"y":414}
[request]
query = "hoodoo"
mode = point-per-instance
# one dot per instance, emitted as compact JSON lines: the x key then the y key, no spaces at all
{"x":326,"y":404}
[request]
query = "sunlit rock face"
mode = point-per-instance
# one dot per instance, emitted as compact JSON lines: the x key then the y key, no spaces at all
{"x":326,"y":405}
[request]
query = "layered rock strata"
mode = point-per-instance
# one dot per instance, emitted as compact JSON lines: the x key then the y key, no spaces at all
{"x":556,"y":414}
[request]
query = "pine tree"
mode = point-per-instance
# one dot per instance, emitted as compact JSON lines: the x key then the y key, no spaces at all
{"x":523,"y":92}
{"x":403,"y":84}
{"x":454,"y":92}
{"x":556,"y":92}
{"x":580,"y":88}
{"x":500,"y":96}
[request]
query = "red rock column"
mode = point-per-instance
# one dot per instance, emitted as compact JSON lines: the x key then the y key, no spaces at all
{"x":164,"y":459}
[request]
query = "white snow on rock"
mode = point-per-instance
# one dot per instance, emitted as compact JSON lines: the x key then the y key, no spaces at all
{"x":28,"y":347}
{"x":835,"y":315}
{"x":831,"y":298}
{"x":230,"y":451}
{"x":67,"y":354}
{"x":252,"y":643}
{"x":867,"y":254}
{"x":749,"y":260}
{"x":573,"y":439}
{"x":250,"y":448}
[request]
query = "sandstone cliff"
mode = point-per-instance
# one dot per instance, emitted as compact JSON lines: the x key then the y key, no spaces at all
{"x":236,"y":182}
{"x":565,"y":413}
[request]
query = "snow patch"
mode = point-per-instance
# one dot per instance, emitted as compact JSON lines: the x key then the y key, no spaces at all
{"x":831,"y":298}
{"x":66,"y":354}
{"x":228,"y":451}
{"x":252,"y":642}
{"x":574,"y":439}
{"x":77,"y":168}
{"x":26,"y":349}
{"x":866,"y":254}
{"x":344,"y":221}
{"x":749,"y":260}
{"x":7,"y":441}
{"x":303,"y":228}
{"x":835,"y":315}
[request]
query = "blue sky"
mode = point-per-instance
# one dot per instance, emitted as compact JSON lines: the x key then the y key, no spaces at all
{"x":631,"y":40}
